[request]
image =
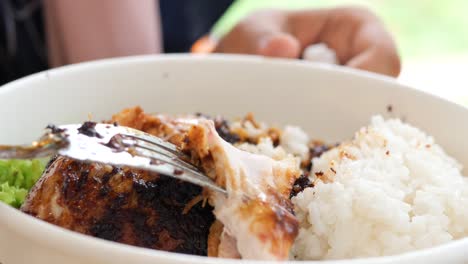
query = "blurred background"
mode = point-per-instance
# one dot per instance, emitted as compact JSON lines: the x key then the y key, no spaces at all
{"x":432,"y":37}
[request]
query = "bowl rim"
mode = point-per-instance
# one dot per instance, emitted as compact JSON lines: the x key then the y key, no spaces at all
{"x":219,"y":58}
{"x":216,"y":57}
{"x":36,"y":229}
{"x":222,"y":58}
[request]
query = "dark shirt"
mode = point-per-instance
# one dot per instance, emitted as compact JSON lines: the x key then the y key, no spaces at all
{"x":22,"y":40}
{"x":184,"y":21}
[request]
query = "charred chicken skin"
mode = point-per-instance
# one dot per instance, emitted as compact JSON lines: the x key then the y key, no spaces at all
{"x":121,"y":204}
{"x":254,"y":221}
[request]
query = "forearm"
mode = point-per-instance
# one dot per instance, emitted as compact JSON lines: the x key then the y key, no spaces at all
{"x":89,"y":29}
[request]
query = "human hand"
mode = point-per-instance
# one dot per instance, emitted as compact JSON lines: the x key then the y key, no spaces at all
{"x":358,"y":37}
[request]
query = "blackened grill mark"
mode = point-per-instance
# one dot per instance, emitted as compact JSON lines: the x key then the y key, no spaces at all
{"x":48,"y":166}
{"x":119,"y":201}
{"x":70,"y":178}
{"x":89,"y":129}
{"x":106,"y":229}
{"x":146,"y":191}
{"x":130,"y":174}
{"x":83,"y":179}
{"x":75,"y":180}
{"x":147,"y":236}
{"x":167,"y":197}
{"x":104,"y":191}
{"x":107,"y":176}
{"x":148,"y":215}
{"x":65,"y":184}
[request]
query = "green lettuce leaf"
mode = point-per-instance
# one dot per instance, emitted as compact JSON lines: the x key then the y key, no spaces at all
{"x":16,"y":179}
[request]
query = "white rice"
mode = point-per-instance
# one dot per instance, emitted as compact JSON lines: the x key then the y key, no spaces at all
{"x":295,"y":141}
{"x":394,"y":190}
{"x":265,"y":147}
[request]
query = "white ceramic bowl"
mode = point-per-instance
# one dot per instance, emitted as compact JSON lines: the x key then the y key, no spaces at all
{"x":330,"y":102}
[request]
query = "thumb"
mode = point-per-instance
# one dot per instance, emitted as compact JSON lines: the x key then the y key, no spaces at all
{"x":280,"y":44}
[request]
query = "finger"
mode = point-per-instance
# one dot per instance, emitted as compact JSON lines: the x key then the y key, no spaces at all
{"x":356,"y":35}
{"x":335,"y":27}
{"x":281,"y":45}
{"x":374,"y":50}
{"x":376,"y":60}
{"x":262,"y":34}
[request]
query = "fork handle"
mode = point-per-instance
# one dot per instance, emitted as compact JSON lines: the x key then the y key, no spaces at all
{"x":25,"y":152}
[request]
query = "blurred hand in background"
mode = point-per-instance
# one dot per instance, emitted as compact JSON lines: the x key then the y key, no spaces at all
{"x":36,"y":35}
{"x":358,"y":37}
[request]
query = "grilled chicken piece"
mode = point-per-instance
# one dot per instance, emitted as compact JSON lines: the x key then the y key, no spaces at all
{"x":150,"y":210}
{"x":125,"y":205}
{"x":122,"y":205}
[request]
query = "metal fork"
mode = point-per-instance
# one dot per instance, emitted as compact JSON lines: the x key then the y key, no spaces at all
{"x":114,"y":145}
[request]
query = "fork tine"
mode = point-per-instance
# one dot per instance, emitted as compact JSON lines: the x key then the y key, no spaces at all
{"x":188,"y":176}
{"x":153,"y":154}
{"x":123,"y":146}
{"x":158,"y":149}
{"x":179,"y":164}
{"x":158,"y":142}
{"x":162,"y":154}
